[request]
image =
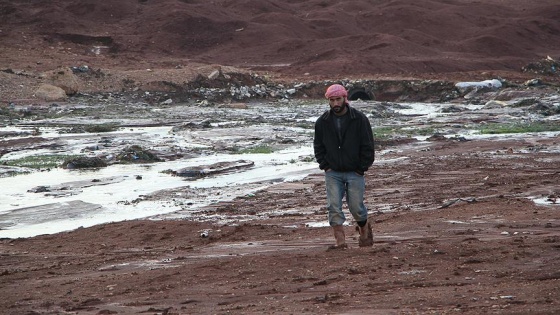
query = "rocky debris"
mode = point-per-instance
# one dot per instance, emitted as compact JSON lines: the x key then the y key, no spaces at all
{"x":203,"y":124}
{"x":74,"y":188}
{"x":453,"y":109}
{"x":235,"y":87}
{"x":235,"y":105}
{"x":510,"y":94}
{"x":39,"y":189}
{"x":64,"y":78}
{"x":136,"y":154}
{"x":441,"y":137}
{"x":533,"y":82}
{"x":383,"y":110}
{"x":494,"y":104}
{"x":546,"y":66}
{"x":256,"y":87}
{"x":535,"y":100}
{"x":216,"y":168}
{"x":8,"y":171}
{"x":11,"y":134}
{"x":546,"y":109}
{"x":80,"y":69}
{"x":50,"y":93}
{"x":83,"y":162}
{"x":47,"y":212}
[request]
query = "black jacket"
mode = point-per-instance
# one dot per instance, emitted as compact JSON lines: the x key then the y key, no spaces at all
{"x":354,"y":153}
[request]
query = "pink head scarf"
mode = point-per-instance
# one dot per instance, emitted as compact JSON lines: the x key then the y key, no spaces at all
{"x":337,"y":90}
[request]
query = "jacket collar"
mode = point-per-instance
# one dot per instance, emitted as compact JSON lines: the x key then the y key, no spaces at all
{"x":351,"y":112}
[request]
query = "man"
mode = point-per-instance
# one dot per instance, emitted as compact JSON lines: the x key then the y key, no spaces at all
{"x":344,"y":149}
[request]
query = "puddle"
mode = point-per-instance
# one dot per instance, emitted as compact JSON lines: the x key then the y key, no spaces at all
{"x":116,"y":199}
{"x":548,"y":201}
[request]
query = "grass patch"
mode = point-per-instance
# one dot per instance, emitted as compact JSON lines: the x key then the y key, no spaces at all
{"x":519,"y":128}
{"x":427,"y":131}
{"x":262,"y":149}
{"x":380,"y":133}
{"x":40,"y":161}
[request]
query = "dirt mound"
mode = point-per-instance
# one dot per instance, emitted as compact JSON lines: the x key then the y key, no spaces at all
{"x":323,"y":38}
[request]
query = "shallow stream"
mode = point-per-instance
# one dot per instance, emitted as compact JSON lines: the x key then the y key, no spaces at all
{"x":55,"y":200}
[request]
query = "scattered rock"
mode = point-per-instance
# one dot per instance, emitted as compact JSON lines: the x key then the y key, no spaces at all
{"x":236,"y":105}
{"x":137,"y":154}
{"x":50,"y":93}
{"x":220,"y":167}
{"x":545,"y":109}
{"x":65,"y":79}
{"x":453,"y":109}
{"x":546,"y":66}
{"x":437,"y":137}
{"x":494,"y":104}
{"x":83,"y":162}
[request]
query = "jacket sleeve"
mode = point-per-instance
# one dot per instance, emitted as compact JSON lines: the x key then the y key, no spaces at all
{"x":367,"y":146}
{"x":319,"y":147}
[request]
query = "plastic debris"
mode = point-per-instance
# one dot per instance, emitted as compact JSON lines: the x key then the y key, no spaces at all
{"x":493,"y":84}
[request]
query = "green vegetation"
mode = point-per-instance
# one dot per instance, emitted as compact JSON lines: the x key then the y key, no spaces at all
{"x":426,"y":131}
{"x":40,"y":161}
{"x":521,"y":127}
{"x":381,"y":133}
{"x":261,"y":149}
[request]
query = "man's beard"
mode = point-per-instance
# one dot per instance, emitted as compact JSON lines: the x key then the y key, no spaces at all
{"x":339,"y":109}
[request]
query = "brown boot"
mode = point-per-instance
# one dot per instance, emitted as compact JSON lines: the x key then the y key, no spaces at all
{"x":339,"y":237}
{"x":366,"y":235}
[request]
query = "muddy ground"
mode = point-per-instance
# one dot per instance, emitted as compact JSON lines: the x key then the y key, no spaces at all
{"x":462,"y":225}
{"x":460,"y":237}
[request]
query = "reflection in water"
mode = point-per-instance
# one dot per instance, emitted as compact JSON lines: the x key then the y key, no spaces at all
{"x":117,"y":198}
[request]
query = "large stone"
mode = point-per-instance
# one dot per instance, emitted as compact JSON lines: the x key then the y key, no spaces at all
{"x":65,"y":79}
{"x":49,"y":92}
{"x":235,"y":105}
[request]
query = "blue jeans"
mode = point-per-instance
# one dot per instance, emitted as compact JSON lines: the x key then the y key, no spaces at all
{"x":338,"y":185}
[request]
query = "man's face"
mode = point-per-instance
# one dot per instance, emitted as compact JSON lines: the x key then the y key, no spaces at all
{"x":337,"y":104}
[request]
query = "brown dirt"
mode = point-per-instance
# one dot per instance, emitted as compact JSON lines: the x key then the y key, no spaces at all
{"x":441,"y":249}
{"x":458,"y":40}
